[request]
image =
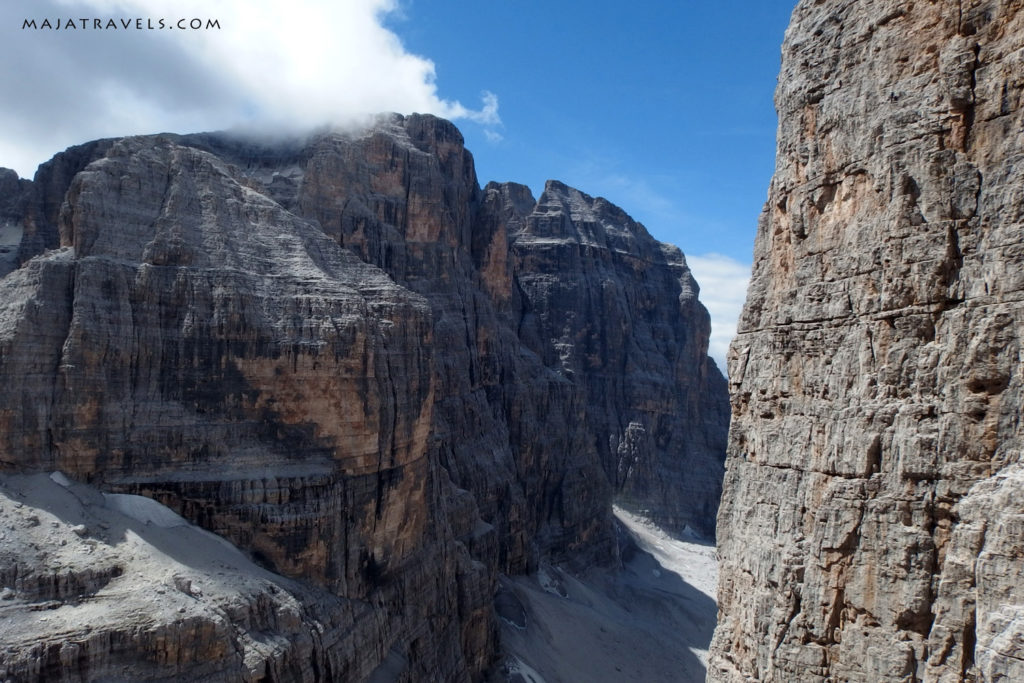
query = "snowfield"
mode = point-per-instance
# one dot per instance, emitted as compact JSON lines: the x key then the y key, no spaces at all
{"x":650,"y":620}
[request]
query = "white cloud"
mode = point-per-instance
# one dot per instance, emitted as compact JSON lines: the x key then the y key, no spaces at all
{"x":488,"y":115}
{"x":723,"y":288}
{"x":270,"y":64}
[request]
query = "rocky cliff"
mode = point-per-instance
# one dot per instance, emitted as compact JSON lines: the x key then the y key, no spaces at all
{"x":871,"y":522}
{"x":382,"y":383}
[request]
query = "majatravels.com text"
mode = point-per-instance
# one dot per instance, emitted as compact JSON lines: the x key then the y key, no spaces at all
{"x":138,"y":24}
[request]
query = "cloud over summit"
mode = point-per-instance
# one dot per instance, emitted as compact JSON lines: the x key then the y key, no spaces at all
{"x":270,"y":65}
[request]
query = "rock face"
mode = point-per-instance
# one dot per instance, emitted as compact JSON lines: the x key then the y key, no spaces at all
{"x":871,"y":523}
{"x":14,"y":195}
{"x":618,"y":313}
{"x":119,"y":588}
{"x":368,"y":374}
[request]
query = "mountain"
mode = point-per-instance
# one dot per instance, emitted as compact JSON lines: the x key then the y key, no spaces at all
{"x":382,"y":384}
{"x":870,"y":527}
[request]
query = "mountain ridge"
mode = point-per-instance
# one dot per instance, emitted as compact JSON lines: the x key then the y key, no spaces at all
{"x":356,"y":365}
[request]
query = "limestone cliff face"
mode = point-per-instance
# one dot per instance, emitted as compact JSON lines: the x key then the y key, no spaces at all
{"x":617,"y":313}
{"x":373,"y":377}
{"x":867,"y":530}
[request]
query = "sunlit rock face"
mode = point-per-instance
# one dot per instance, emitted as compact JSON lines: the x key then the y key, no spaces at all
{"x":866,"y":530}
{"x":382,"y":383}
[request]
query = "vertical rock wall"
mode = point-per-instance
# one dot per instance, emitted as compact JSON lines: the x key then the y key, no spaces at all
{"x":194,"y":342}
{"x":372,"y":376}
{"x":870,"y":526}
{"x":617,"y":313}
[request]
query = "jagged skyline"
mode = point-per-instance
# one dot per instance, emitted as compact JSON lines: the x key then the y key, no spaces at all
{"x":604,"y":99}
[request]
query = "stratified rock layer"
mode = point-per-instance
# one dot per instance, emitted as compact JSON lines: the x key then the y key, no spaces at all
{"x":618,"y":314}
{"x":375,"y":378}
{"x":871,"y":522}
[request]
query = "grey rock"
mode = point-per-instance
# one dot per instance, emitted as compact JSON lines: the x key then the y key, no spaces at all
{"x":340,"y":354}
{"x":86,"y":611}
{"x":875,"y":380}
{"x":617,"y":313}
{"x":48,"y":194}
{"x":209,"y":349}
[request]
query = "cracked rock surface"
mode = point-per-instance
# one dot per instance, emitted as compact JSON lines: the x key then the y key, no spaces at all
{"x":371,"y":376}
{"x":870,"y":520}
{"x":120,"y":588}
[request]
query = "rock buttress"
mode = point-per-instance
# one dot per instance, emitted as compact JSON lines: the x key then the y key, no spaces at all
{"x":192,"y":341}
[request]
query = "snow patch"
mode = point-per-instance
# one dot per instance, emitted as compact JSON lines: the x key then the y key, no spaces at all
{"x":145,"y":510}
{"x":695,"y":563}
{"x":59,"y":478}
{"x":551,"y":583}
{"x":528,"y":674}
{"x":650,"y":619}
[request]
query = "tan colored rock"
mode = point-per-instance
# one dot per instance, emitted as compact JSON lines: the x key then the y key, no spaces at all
{"x":876,"y":381}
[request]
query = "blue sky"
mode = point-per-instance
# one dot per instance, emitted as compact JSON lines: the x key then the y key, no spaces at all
{"x":664,"y":108}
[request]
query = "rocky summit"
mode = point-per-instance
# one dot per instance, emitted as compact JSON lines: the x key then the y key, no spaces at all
{"x":871,"y":521}
{"x":285,"y":410}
